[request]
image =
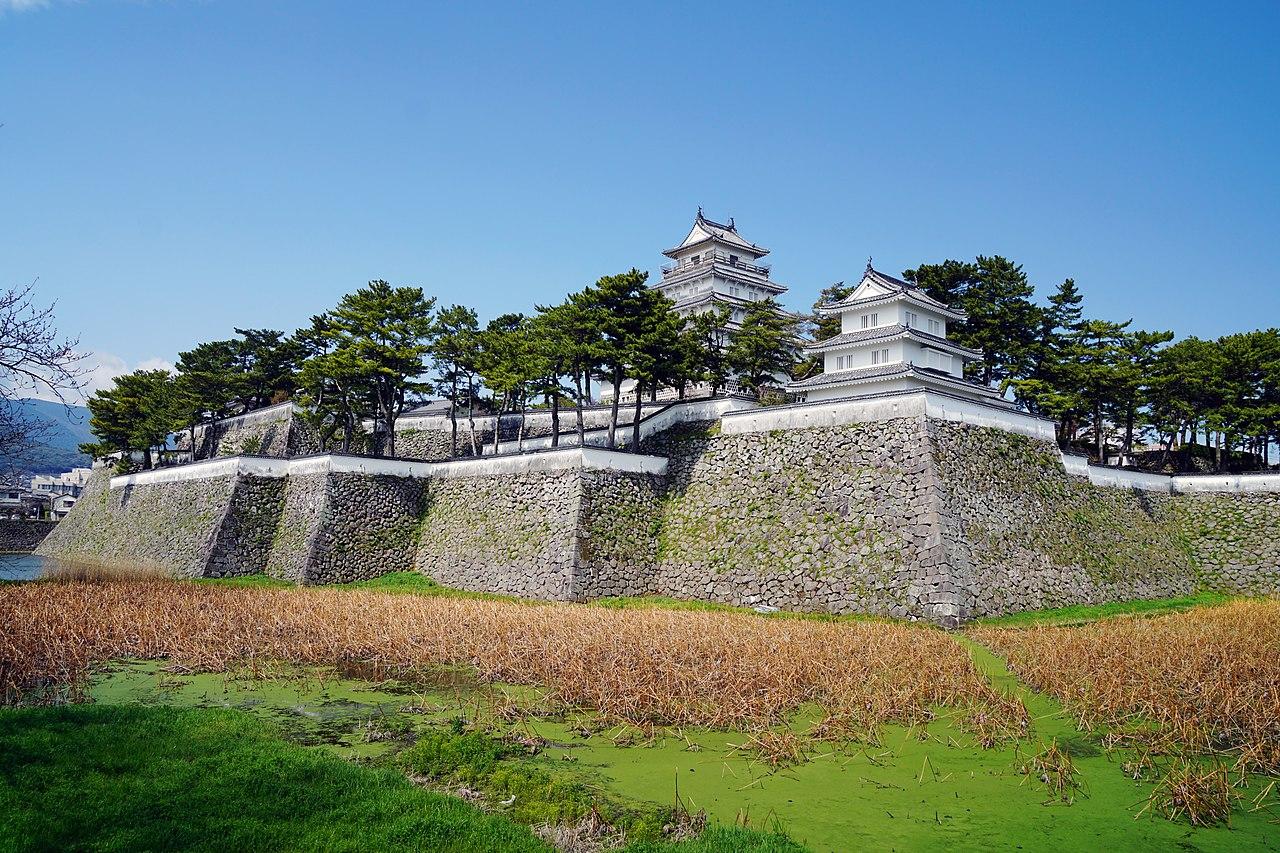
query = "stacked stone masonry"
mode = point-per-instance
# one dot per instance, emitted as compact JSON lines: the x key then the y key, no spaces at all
{"x":909,"y":516}
{"x":19,"y":536}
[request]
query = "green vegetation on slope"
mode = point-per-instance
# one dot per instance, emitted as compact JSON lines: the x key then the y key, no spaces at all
{"x":1081,"y":613}
{"x":128,"y":778}
{"x":112,"y":777}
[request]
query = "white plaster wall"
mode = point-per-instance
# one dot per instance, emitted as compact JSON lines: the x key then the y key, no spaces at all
{"x":653,"y":422}
{"x":912,"y":402}
{"x":574,"y":458}
{"x":1190,"y":483}
{"x":1119,"y":478}
{"x":898,"y":385}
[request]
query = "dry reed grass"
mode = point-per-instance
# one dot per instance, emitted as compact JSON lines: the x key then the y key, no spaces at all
{"x":643,"y":667}
{"x":1202,"y":682}
{"x":1052,"y":767}
{"x":1202,"y":794}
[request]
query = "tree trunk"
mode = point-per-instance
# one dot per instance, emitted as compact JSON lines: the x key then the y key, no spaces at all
{"x":1130,"y":416}
{"x":453,"y":416}
{"x":635,"y":424}
{"x":524,"y":404}
{"x":1097,"y":434}
{"x":146,"y":458}
{"x":497,"y":426}
{"x":613,"y":409}
{"x":577,"y":381}
{"x":471,"y":414}
{"x":554,"y":402}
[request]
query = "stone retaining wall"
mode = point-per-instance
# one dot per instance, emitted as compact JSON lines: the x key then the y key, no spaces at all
{"x":510,"y":533}
{"x":1233,"y":539}
{"x":832,"y":519}
{"x":1023,"y":534}
{"x":171,"y":526}
{"x":910,"y":516}
{"x":277,"y":431}
{"x":22,"y":537}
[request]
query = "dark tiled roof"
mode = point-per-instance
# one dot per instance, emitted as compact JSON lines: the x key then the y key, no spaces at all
{"x":431,"y":407}
{"x":889,"y":332}
{"x":836,"y":377}
{"x":888,"y":370}
{"x":719,"y":231}
{"x":896,"y":285}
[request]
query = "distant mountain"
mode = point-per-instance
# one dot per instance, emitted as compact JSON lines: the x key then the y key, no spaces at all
{"x":57,"y":450}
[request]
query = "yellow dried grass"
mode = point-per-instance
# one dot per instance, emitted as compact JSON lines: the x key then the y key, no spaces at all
{"x":1206,"y":681}
{"x":644,"y":667}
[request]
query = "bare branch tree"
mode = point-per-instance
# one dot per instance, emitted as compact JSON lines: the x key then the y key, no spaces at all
{"x":35,"y":360}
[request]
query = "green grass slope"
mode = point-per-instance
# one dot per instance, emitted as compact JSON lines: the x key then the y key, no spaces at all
{"x":132,"y":778}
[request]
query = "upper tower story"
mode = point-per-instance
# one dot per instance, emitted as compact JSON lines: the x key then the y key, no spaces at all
{"x":715,"y":265}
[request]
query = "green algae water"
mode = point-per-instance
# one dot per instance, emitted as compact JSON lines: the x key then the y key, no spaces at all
{"x":918,"y":790}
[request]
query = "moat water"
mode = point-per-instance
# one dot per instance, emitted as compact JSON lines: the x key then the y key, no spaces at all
{"x":21,"y":567}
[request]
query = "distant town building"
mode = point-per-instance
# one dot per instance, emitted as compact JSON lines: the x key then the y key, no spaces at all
{"x":69,"y":483}
{"x":61,"y":505}
{"x":716,"y":266}
{"x":17,"y":501}
{"x":893,"y":337}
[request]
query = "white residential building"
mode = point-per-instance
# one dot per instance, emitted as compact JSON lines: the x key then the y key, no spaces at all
{"x":893,"y":337}
{"x":69,"y":483}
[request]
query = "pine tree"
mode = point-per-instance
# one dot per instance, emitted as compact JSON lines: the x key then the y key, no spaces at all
{"x":506,"y":367}
{"x":707,"y":335}
{"x":1003,"y":323}
{"x":763,"y":348}
{"x":385,"y":333}
{"x":137,"y":413}
{"x":655,"y":353}
{"x":616,"y":307}
{"x":456,"y":348}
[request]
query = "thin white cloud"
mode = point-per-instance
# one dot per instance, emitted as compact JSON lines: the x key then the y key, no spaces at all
{"x":102,"y":367}
{"x":99,"y":369}
{"x":22,"y":5}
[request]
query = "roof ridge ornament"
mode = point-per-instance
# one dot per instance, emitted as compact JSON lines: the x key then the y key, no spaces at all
{"x":869,"y":267}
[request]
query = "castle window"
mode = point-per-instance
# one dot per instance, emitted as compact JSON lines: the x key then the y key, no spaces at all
{"x":913,"y":320}
{"x":935,"y":327}
{"x":870,"y":320}
{"x":733,"y":259}
{"x":879,"y":356}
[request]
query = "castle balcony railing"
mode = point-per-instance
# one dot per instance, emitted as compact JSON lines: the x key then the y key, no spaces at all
{"x":712,"y":258}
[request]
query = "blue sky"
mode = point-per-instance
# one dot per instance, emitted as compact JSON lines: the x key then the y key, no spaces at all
{"x":169,"y":170}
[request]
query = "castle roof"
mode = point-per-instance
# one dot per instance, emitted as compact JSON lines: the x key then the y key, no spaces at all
{"x":704,"y":230}
{"x":891,"y":332}
{"x":877,"y":287}
{"x":863,"y":375}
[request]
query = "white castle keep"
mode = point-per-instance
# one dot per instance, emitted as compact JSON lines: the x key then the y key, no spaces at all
{"x":715,"y":266}
{"x":893,"y":336}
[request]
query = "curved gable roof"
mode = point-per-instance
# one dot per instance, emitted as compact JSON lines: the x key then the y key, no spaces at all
{"x":705,"y":230}
{"x":876,"y":286}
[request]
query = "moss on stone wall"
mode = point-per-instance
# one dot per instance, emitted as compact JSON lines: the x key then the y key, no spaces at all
{"x":823,"y":519}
